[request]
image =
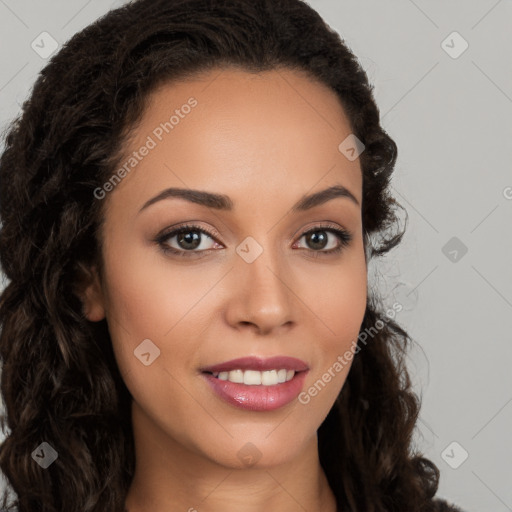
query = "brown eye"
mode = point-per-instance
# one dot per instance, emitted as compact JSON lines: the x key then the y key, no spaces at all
{"x":189,"y":240}
{"x":318,"y":239}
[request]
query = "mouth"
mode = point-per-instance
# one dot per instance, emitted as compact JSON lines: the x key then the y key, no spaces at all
{"x":257,"y":384}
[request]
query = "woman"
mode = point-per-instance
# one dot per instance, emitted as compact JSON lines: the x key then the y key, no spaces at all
{"x":189,"y":204}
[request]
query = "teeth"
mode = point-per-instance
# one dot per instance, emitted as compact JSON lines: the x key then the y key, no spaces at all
{"x":252,"y":377}
{"x":255,"y":378}
{"x":269,"y":378}
{"x":236,"y":376}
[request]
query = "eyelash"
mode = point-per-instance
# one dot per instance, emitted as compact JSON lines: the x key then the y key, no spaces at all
{"x":343,"y":236}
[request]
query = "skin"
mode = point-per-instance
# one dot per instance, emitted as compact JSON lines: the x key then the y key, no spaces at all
{"x":265,"y":140}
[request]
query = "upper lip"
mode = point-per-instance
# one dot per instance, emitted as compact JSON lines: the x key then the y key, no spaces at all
{"x":259,"y":363}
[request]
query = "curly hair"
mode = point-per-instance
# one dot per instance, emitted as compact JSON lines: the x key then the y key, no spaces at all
{"x":60,"y":382}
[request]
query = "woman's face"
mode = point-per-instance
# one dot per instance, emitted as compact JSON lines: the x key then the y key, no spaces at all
{"x":246,"y":281}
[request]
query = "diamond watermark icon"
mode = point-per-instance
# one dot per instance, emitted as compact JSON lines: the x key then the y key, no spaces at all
{"x":454,"y":45}
{"x":147,"y":352}
{"x":44,"y":455}
{"x":351,"y":147}
{"x":249,"y":249}
{"x":44,"y":45}
{"x":454,"y":249}
{"x":249,"y":454}
{"x":454,"y":455}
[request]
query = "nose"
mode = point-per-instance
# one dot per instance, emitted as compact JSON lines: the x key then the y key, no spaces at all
{"x":262,"y":298}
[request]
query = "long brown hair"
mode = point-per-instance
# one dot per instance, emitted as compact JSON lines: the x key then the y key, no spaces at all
{"x":60,"y":382}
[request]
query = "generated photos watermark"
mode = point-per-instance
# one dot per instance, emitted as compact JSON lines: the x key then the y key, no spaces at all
{"x":137,"y":156}
{"x":342,"y":361}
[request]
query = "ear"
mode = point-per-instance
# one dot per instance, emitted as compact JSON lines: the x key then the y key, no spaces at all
{"x":88,"y":289}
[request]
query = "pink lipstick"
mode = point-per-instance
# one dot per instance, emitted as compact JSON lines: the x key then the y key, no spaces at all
{"x":257,"y":384}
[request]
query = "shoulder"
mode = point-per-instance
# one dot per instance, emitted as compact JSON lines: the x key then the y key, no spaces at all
{"x":441,"y":505}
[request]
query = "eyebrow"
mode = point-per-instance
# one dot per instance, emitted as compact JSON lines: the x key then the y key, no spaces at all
{"x":224,"y":202}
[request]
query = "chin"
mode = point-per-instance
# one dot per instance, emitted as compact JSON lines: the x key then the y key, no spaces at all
{"x":263,"y":451}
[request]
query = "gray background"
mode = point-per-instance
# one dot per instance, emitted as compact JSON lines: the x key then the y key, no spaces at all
{"x":450,"y":114}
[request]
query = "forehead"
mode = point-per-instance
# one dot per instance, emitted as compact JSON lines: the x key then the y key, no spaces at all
{"x":229,"y":129}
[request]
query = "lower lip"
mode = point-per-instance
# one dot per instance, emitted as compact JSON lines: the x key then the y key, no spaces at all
{"x":257,"y":398}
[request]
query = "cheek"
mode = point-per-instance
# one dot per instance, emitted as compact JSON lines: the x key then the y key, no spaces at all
{"x":152,"y":299}
{"x":339,"y":300}
{"x":148,"y":293}
{"x":340,"y":306}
